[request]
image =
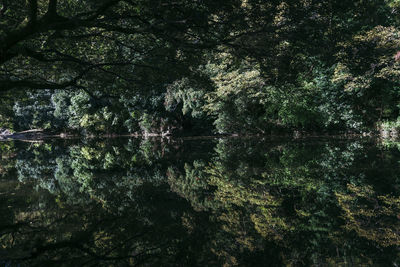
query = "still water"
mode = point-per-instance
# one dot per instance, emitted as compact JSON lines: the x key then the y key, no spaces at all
{"x":200,"y":202}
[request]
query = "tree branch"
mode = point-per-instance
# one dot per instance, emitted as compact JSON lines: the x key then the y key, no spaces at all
{"x":8,"y":85}
{"x":33,"y":9}
{"x":4,"y":8}
{"x":52,"y":8}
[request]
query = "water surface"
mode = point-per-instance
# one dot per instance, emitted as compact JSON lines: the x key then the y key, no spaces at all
{"x":215,"y":202}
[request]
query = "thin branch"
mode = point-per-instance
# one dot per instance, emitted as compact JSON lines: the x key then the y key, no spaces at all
{"x":52,"y":9}
{"x":104,"y":8}
{"x":8,"y":85}
{"x":101,"y":10}
{"x":4,"y":8}
{"x":33,"y":9}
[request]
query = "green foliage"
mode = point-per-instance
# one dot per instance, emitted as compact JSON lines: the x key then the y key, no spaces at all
{"x":35,"y":112}
{"x":391,"y":125}
{"x":226,"y":67}
{"x":236,"y":102}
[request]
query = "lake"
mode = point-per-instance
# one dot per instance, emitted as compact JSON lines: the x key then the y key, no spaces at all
{"x":200,"y":202}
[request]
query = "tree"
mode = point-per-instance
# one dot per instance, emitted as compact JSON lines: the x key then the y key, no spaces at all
{"x":68,"y":44}
{"x":244,"y":66}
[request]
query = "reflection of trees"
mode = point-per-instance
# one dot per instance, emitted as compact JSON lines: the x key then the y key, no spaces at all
{"x":7,"y":153}
{"x":94,"y":170}
{"x":74,"y":234}
{"x":371,"y":216}
{"x":148,"y":202}
{"x":108,"y":203}
{"x":297,"y":195}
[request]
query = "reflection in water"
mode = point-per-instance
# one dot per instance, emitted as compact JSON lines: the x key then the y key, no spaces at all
{"x":227,"y":202}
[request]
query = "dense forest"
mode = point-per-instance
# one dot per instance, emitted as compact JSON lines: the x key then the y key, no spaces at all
{"x":199,"y":67}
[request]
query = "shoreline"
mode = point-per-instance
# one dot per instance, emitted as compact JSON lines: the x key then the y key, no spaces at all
{"x":39,"y":135}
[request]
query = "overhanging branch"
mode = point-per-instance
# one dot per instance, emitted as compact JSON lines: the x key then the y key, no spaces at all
{"x":33,"y":9}
{"x":52,"y":8}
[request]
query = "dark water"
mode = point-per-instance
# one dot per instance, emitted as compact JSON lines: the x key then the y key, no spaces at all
{"x":227,"y":202}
